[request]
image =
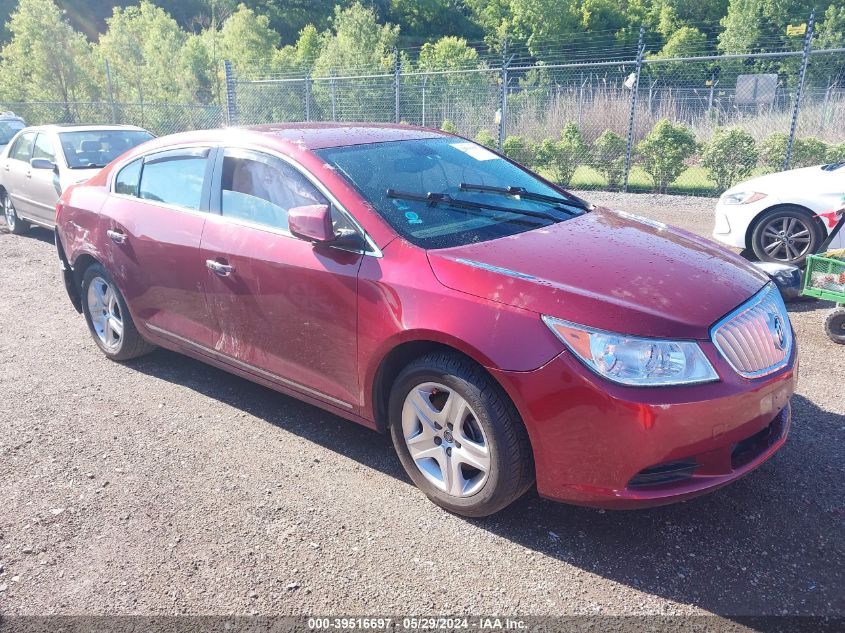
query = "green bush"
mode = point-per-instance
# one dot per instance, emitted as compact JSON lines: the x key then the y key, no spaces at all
{"x":836,"y":153}
{"x":773,"y":151}
{"x":730,"y":156}
{"x":609,"y":157}
{"x":486,"y":138}
{"x":562,"y":157}
{"x":518,"y":149}
{"x":448,"y":126}
{"x":663,"y":152}
{"x":808,"y":151}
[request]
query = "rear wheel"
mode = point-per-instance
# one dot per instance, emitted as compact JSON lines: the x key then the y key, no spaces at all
{"x":834,"y":325}
{"x":787,"y":236}
{"x":108,"y":317}
{"x":458,"y":436}
{"x":15,"y":224}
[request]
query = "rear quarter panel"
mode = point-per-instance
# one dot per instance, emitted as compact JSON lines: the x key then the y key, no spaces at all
{"x":78,"y":221}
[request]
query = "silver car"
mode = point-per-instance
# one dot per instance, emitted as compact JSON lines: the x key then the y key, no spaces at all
{"x":10,"y":124}
{"x":41,"y":162}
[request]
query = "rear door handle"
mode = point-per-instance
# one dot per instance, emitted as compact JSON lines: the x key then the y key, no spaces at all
{"x":219,"y":268}
{"x":29,"y":174}
{"x":116,"y":236}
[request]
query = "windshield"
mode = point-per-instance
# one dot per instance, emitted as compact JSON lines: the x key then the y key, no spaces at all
{"x":8,"y":129}
{"x":97,"y":148}
{"x":390,"y":176}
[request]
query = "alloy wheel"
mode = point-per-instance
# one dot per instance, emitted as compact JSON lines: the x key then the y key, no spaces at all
{"x":106,"y":316}
{"x":9,"y":212}
{"x":445,"y":439}
{"x":786,"y":238}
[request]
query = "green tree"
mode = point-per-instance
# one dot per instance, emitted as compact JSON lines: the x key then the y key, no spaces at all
{"x":46,"y":60}
{"x":448,"y":126}
{"x":247,"y":40}
{"x":808,"y":151}
{"x":773,"y":151}
{"x":484,"y":137}
{"x":663,"y":152}
{"x":608,"y":157}
{"x":143,"y":46}
{"x":357,"y":43}
{"x":561,"y":157}
{"x":730,"y":156}
{"x":517,"y":148}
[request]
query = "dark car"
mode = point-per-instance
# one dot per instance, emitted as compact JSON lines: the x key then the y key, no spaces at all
{"x":501,"y":329}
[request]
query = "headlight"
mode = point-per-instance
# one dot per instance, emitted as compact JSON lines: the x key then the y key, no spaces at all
{"x":633,"y":361}
{"x":742,"y":197}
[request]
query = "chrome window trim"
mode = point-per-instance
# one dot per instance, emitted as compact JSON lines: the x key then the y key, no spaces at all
{"x":248,"y":367}
{"x":374,"y":250}
{"x":749,"y":305}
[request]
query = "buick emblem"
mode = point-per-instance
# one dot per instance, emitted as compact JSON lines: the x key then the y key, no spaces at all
{"x":778,"y":330}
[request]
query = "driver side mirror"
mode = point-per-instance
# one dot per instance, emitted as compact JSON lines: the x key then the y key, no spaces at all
{"x":312,"y":223}
{"x":42,"y":163}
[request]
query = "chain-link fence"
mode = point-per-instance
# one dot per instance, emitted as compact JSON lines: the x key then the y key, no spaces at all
{"x":587,"y":116}
{"x":159,"y":118}
{"x":597,"y":124}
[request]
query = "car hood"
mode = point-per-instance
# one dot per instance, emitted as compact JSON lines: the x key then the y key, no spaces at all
{"x":608,"y":270}
{"x":788,"y":182}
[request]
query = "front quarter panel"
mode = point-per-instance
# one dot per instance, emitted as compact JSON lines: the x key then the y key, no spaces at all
{"x":400,"y":300}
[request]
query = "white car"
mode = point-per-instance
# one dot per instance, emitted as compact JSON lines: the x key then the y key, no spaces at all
{"x":783,"y":217}
{"x":41,"y":162}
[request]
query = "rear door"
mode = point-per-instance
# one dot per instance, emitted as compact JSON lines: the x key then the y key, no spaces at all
{"x":153,"y":222}
{"x":16,"y":172}
{"x":284,"y":309}
{"x":42,"y":187}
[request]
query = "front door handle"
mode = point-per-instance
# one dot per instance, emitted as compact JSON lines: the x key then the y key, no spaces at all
{"x":116,"y":236}
{"x":29,"y":174}
{"x":219,"y":268}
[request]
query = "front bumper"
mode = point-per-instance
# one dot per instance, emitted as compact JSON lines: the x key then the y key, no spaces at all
{"x":732,"y":222}
{"x":604,"y":445}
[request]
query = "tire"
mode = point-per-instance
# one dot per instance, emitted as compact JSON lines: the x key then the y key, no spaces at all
{"x":485,"y":423}
{"x":15,"y":224}
{"x":834,"y":325}
{"x":101,"y":297}
{"x":770,"y":239}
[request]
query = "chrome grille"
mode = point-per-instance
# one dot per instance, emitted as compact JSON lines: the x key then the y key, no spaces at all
{"x":756,"y":338}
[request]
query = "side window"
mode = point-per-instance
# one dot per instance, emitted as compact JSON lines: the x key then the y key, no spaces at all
{"x":126,"y":181}
{"x":43,"y":148}
{"x":261,"y":188}
{"x":22,"y":149}
{"x":174,"y":178}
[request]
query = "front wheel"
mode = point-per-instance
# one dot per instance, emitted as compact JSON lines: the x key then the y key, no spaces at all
{"x":834,"y":325}
{"x":458,"y":436}
{"x":108,"y":317}
{"x":15,"y":224}
{"x":786,"y":236}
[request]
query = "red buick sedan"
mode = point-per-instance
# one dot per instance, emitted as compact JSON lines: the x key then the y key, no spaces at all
{"x":504,"y":331}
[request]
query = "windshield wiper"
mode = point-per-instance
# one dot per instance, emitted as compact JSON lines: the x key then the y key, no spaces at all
{"x":522,"y":192}
{"x":433,"y":199}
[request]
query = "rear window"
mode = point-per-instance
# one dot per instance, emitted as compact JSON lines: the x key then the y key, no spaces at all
{"x":8,"y":129}
{"x":97,"y":148}
{"x":174,"y":179}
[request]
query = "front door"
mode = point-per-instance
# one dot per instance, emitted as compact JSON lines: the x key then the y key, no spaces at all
{"x":284,"y":309}
{"x":154,"y":224}
{"x":42,"y":187}
{"x":16,"y":173}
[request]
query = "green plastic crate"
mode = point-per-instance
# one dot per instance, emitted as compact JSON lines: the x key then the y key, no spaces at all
{"x":824,"y":265}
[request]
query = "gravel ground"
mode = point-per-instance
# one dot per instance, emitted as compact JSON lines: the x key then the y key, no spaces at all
{"x":164,"y":486}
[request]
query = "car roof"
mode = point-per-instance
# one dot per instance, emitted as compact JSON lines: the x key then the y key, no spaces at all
{"x":323,"y":135}
{"x":309,"y":136}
